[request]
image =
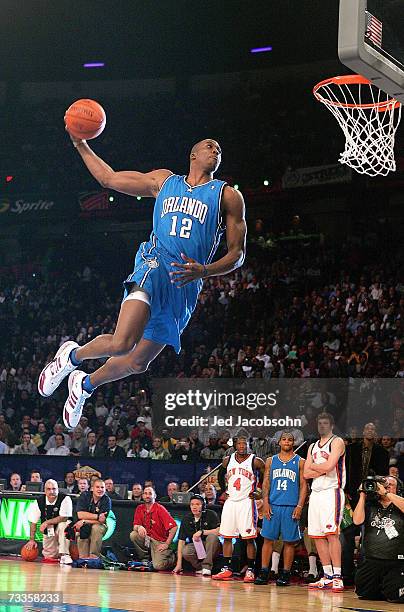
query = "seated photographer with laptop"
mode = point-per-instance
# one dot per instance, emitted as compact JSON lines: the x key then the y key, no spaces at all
{"x":381,"y":510}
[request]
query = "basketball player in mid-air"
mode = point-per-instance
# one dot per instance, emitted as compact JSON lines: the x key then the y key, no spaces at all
{"x":284,"y":492}
{"x":191,"y":213}
{"x":325,"y":464}
{"x":239,"y":515}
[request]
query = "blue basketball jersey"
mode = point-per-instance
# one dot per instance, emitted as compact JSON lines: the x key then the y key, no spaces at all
{"x":187,"y":219}
{"x":284,"y":479}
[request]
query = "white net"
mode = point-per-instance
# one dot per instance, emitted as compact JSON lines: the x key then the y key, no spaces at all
{"x":369,"y":119}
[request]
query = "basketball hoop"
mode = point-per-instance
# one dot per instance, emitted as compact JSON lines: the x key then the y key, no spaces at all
{"x":369,"y":119}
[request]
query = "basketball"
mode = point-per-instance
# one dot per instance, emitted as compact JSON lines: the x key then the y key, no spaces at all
{"x":29,"y":554}
{"x":74,"y":551}
{"x":85,"y":119}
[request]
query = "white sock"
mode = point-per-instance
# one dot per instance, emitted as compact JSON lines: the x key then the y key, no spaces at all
{"x":313,"y":565}
{"x":275,"y":562}
{"x":327,"y":570}
{"x":337,"y":572}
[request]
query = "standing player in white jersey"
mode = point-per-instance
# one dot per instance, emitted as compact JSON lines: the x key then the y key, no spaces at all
{"x":239,"y":515}
{"x":325,"y":464}
{"x":191,"y":212}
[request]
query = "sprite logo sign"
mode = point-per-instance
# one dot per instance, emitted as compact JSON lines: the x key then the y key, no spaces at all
{"x":14,"y":524}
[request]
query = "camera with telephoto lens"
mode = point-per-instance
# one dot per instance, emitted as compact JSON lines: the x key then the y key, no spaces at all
{"x":369,"y":485}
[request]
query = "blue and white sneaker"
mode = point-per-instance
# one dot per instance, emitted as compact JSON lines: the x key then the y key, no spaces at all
{"x":55,"y":371}
{"x":75,"y":402}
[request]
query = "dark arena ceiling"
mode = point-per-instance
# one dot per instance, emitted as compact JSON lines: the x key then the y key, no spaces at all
{"x":50,"y":40}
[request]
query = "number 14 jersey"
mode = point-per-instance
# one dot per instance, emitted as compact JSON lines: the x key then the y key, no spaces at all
{"x":240,"y":476}
{"x":284,"y":479}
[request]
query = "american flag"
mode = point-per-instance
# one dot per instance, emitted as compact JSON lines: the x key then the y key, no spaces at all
{"x":374,"y":29}
{"x":94,"y":200}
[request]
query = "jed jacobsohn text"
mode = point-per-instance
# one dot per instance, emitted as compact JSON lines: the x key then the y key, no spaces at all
{"x":231,"y":421}
{"x":214,"y":399}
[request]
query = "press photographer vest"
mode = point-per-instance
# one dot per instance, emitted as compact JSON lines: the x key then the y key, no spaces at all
{"x":50,"y":511}
{"x":377,"y":545}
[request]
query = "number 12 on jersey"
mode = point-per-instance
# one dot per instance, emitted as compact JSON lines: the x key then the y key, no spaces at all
{"x":185,"y":229}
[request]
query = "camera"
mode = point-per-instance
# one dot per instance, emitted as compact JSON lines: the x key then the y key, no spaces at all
{"x":369,"y":485}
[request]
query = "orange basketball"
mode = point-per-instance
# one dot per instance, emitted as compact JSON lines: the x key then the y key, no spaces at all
{"x":74,"y":551}
{"x":29,"y":554}
{"x":85,"y":119}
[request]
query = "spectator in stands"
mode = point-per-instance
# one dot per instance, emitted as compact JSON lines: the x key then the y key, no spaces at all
{"x":213,"y":450}
{"x":200,"y":525}
{"x":210,"y":494}
{"x":196,"y":444}
{"x":71,"y":483}
{"x":16,"y":482}
{"x":123,"y":439}
{"x":113,"y":451}
{"x":4,"y":449}
{"x":35,"y":476}
{"x":110,"y":489}
{"x":54,"y":510}
{"x":362,"y":458}
{"x":27,"y":447}
{"x":184,"y":486}
{"x":40,"y":437}
{"x":153,"y":531}
{"x":182,"y":450}
{"x":61,"y":448}
{"x":78,"y":441}
{"x":140,"y":431}
{"x":172,"y":487}
{"x":83,"y":485}
{"x":388,"y":444}
{"x":57,"y":430}
{"x":167,"y":441}
{"x":93,"y":449}
{"x":261,"y":447}
{"x":92,"y":510}
{"x":137,"y":491}
{"x":136,"y":451}
{"x":158,"y":452}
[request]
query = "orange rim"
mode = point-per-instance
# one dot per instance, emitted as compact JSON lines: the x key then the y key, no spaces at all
{"x":353,"y":79}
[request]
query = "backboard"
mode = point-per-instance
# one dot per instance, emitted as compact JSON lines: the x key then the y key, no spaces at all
{"x":371,"y":42}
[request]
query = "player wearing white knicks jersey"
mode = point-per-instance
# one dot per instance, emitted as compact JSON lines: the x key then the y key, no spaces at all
{"x":191,"y":212}
{"x":239,"y":515}
{"x":325,"y":464}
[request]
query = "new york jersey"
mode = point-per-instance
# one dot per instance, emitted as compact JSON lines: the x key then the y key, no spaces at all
{"x":187,"y":219}
{"x":284,"y":479}
{"x":240,"y":477}
{"x":334,"y":479}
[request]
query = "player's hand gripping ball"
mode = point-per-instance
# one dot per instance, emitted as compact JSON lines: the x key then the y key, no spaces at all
{"x":85,"y":119}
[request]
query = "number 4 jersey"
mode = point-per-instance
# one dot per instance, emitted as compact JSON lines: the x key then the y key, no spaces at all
{"x":284,"y":479}
{"x":186,"y":220}
{"x":240,"y":477}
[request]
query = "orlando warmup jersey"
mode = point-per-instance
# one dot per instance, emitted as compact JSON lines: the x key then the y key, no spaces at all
{"x":186,"y":220}
{"x":240,"y":478}
{"x":335,"y":479}
{"x":284,"y":480}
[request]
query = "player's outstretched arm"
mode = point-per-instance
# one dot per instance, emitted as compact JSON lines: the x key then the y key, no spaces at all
{"x":130,"y":182}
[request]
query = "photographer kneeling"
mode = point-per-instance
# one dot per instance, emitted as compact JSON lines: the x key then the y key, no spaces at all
{"x":381,"y":510}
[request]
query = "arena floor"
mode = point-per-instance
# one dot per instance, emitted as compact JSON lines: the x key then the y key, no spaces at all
{"x":104,"y":591}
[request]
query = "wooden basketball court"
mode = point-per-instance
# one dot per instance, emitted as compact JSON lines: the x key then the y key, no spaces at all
{"x":99,"y":590}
